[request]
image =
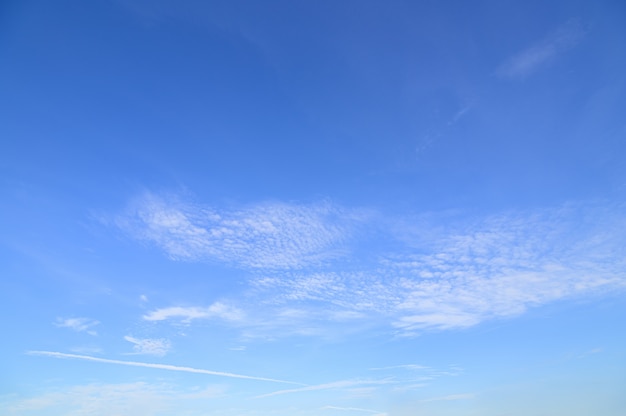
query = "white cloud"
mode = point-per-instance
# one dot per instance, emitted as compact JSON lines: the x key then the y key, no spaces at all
{"x":149,"y":346}
{"x":156,"y":366}
{"x":97,"y":399}
{"x":270,"y":235}
{"x":530,"y":60}
{"x":412,"y":274}
{"x":138,"y":398}
{"x":492,"y":268}
{"x":342,"y":384}
{"x":78,"y":324}
{"x":187,"y":314}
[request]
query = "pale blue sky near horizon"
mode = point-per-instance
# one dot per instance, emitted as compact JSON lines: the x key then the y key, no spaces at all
{"x":313,"y":208}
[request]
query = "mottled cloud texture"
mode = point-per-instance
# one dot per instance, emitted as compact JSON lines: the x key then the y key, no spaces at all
{"x":431,"y":274}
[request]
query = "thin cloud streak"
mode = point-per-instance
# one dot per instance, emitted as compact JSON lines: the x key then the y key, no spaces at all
{"x":158,"y":366}
{"x":327,"y":386}
{"x":98,"y":399}
{"x":78,"y":324}
{"x":530,"y":60}
{"x":139,"y":398}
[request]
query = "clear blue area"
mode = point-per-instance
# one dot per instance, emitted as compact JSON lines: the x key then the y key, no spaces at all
{"x":313,"y":207}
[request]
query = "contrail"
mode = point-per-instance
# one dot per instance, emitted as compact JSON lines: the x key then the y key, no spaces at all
{"x":157,"y":366}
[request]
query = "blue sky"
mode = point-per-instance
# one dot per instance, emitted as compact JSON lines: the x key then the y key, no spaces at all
{"x":313,"y":208}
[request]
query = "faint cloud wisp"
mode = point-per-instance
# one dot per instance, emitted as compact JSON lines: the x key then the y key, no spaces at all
{"x":149,"y":346}
{"x":187,"y":314}
{"x":530,"y":60}
{"x":78,"y":324}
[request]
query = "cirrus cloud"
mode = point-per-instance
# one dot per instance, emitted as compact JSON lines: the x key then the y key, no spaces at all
{"x":269,"y":235}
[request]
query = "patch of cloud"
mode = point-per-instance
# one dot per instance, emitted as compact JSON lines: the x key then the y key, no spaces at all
{"x":394,"y":379}
{"x":270,"y":322}
{"x":149,"y":346}
{"x":335,"y":385}
{"x":105,"y":399}
{"x":187,"y":314}
{"x":412,"y":377}
{"x":533,"y":58}
{"x":492,"y":268}
{"x":408,"y":274}
{"x":138,"y":398}
{"x":263,"y":236}
{"x":97,"y":399}
{"x":78,"y":324}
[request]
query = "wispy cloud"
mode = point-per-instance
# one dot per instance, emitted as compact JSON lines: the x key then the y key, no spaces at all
{"x":156,"y":366}
{"x":187,"y":314}
{"x":342,"y":384}
{"x":110,"y":399}
{"x":78,"y":324}
{"x":149,"y":346}
{"x":130,"y":398}
{"x":590,"y":352}
{"x":491,"y":268}
{"x":410,"y":274}
{"x":269,"y":235}
{"x":411,"y":376}
{"x":530,"y":60}
{"x":439,"y":132}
